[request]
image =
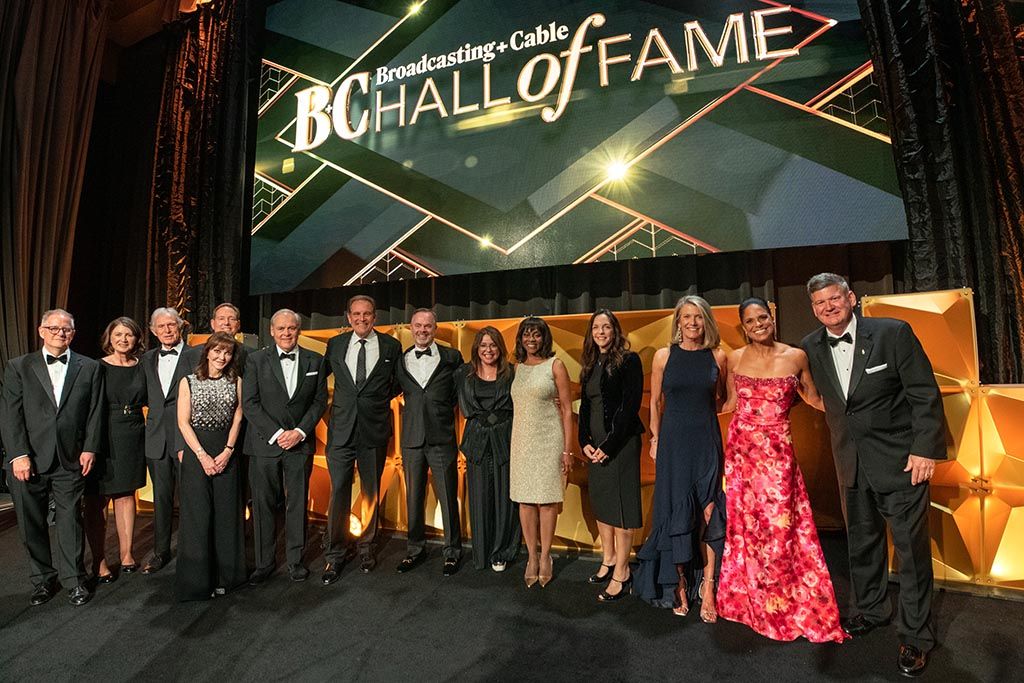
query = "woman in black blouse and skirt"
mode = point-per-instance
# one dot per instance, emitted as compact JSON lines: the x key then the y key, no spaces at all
{"x":612,"y":385}
{"x":486,"y":403}
{"x":121,"y":469}
{"x":211,"y":541}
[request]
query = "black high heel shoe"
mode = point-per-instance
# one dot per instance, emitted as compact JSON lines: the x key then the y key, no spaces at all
{"x":602,"y":578}
{"x":627,"y":588}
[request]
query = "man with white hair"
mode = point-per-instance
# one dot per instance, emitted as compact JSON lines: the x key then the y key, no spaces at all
{"x":283,"y":398}
{"x":164,"y":366}
{"x":53,"y":408}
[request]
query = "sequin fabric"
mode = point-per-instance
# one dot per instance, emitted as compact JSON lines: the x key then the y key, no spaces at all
{"x":213,"y":402}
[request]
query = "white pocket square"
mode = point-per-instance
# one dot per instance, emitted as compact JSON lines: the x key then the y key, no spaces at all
{"x":877,"y":368}
{"x":310,"y":374}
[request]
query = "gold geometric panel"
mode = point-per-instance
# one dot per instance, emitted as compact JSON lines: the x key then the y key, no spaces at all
{"x":977,"y":515}
{"x":943,"y":321}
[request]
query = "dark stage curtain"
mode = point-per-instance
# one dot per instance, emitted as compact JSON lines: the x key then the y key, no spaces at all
{"x":953,"y":87}
{"x":779,"y":275}
{"x":50,"y":54}
{"x":201,"y":180}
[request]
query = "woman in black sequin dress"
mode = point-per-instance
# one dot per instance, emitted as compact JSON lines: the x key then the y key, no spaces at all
{"x":211,"y":539}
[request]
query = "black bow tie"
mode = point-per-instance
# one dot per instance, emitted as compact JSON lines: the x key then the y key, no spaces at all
{"x":424,"y":352}
{"x":287,"y":356}
{"x":168,"y":352}
{"x":50,"y":360}
{"x":833,"y":341}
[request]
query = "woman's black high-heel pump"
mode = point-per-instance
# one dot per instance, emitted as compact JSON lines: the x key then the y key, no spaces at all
{"x":602,"y":578}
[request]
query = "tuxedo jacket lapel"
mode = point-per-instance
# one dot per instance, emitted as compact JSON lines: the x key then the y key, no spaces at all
{"x":39,"y":370}
{"x":861,"y":353}
{"x":74,"y":367}
{"x":277,"y":370}
{"x":342,"y":353}
{"x":824,"y":352}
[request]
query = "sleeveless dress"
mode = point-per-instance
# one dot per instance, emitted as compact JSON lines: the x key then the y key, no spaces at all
{"x":687,"y":479}
{"x":122,"y":466}
{"x":774,"y":577}
{"x":211,"y":536}
{"x":535,"y":464}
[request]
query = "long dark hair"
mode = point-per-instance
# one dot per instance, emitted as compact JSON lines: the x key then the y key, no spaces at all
{"x":474,"y":354}
{"x":140,"y":340}
{"x":219,"y":340}
{"x":529,"y":324}
{"x":591,"y":352}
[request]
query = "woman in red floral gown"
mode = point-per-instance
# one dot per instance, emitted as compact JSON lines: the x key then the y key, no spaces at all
{"x":773,"y":576}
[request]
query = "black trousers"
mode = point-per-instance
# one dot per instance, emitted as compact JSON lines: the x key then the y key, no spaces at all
{"x":341,"y":462}
{"x":492,"y":514}
{"x":31,"y":502}
{"x":270,"y":479}
{"x":906,"y":513}
{"x":442,"y":461}
{"x":211,"y":536}
{"x":164,"y":473}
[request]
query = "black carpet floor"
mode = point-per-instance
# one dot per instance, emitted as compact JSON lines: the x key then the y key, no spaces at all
{"x":472,"y":626}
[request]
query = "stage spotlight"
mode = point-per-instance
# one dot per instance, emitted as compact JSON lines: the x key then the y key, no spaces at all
{"x":485,"y":242}
{"x":415,"y":7}
{"x":617,"y":171}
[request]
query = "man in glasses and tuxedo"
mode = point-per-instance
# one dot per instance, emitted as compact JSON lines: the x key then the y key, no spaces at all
{"x":53,"y":415}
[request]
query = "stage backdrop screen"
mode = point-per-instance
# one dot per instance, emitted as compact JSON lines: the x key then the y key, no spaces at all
{"x":400,"y":140}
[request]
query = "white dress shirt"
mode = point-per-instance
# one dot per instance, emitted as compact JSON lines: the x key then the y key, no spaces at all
{"x":423,"y":367}
{"x":165,"y":366}
{"x":57,"y":371}
{"x":290,"y":369}
{"x":842,"y":355}
{"x":372,"y":353}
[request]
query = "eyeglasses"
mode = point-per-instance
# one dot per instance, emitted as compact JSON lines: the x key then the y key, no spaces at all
{"x":55,"y":330}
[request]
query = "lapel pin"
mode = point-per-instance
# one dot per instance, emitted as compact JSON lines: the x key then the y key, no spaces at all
{"x":862,"y":352}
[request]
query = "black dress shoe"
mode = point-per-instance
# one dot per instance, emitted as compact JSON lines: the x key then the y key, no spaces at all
{"x":859,"y":625}
{"x":155,"y":564}
{"x":109,"y":577}
{"x":602,"y":578}
{"x":450,"y":567}
{"x":79,"y":595}
{"x":367,"y":563}
{"x":625,"y":588}
{"x":911,"y":661}
{"x":331,"y":573}
{"x":297,"y":572}
{"x":43,"y":593}
{"x":260,"y":575}
{"x":130,"y":568}
{"x":410,"y":563}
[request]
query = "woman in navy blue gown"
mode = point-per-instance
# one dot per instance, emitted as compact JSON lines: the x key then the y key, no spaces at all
{"x":688,"y":529}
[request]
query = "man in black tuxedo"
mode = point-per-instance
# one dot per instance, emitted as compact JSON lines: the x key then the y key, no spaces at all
{"x":54,"y":412}
{"x":426,"y":374}
{"x":884,"y":412}
{"x":283,"y":397}
{"x":363,"y":363}
{"x":164,"y":366}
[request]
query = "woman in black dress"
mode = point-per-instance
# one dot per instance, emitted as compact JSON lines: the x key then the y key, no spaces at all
{"x":688,"y":531}
{"x":121,"y":469}
{"x":211,"y":542}
{"x":612,"y":382}
{"x":485,"y":400}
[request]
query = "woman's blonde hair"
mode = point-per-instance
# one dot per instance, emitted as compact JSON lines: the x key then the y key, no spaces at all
{"x":712,"y":338}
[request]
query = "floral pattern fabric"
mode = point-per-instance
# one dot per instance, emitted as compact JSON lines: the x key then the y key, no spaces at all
{"x":773,"y":576}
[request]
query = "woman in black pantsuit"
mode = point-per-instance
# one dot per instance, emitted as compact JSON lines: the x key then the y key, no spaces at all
{"x":121,"y":468}
{"x":485,"y":400}
{"x":612,"y":382}
{"x":211,"y":541}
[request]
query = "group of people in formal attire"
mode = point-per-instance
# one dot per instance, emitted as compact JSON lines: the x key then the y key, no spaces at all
{"x":748,"y":551}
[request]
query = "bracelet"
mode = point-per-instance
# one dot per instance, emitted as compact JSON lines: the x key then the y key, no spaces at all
{"x":230,"y":448}
{"x":200,"y":452}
